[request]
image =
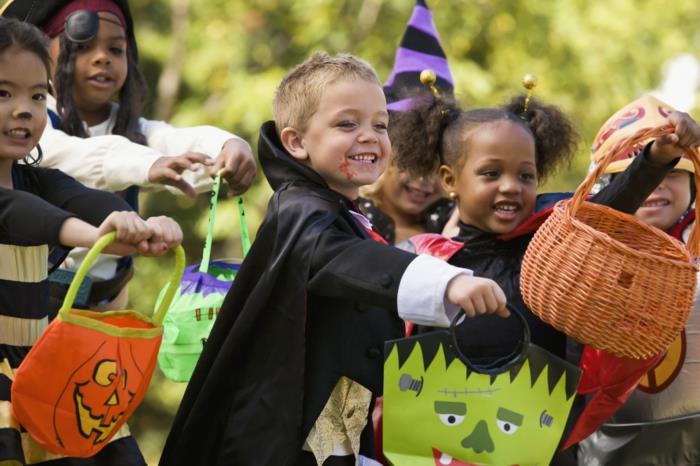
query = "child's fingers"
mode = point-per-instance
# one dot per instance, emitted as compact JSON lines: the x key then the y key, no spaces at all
{"x":501,"y":301}
{"x":197,"y":157}
{"x":173,"y":178}
{"x":468,"y":308}
{"x":480,"y":306}
{"x":667,"y":139}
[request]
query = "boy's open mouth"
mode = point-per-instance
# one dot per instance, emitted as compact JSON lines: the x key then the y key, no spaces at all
{"x":364,"y":158}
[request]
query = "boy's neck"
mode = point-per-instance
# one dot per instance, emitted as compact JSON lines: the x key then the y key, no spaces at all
{"x":6,"y":173}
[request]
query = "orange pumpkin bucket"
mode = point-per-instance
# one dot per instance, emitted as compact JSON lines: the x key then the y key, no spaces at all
{"x":608,"y":279}
{"x":89,"y":370}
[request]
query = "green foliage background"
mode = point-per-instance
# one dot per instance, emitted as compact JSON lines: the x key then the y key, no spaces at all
{"x":591,"y":58}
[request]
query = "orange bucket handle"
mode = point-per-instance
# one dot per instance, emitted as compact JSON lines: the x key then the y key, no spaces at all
{"x":92,"y":254}
{"x":627,"y":144}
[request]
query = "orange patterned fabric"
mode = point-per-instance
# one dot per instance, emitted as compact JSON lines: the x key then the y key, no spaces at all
{"x":79,"y":384}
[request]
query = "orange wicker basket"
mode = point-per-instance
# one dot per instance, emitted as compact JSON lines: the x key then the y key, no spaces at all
{"x":608,"y":279}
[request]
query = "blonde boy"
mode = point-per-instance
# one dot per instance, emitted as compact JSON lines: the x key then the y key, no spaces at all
{"x":294,"y":362}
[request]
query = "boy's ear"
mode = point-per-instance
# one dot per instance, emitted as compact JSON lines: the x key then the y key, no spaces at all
{"x":293,"y":141}
{"x":447,"y":178}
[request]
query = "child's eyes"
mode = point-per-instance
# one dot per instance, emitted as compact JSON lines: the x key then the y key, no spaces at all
{"x":117,"y":50}
{"x":489,"y":173}
{"x":4,"y":93}
{"x":527,"y":176}
{"x":39,"y":97}
{"x":346,"y":124}
{"x":381,"y":126}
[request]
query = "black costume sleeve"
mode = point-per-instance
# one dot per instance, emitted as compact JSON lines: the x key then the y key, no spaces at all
{"x":344,"y":265}
{"x":27,"y":219}
{"x":628,"y":190}
{"x":89,"y":205}
{"x":30,"y":219}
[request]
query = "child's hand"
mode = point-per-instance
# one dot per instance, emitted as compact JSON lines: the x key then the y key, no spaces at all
{"x":132,"y":233}
{"x":477,"y":296}
{"x":168,"y":170}
{"x":685,"y":136}
{"x":166,"y":235}
{"x":237,"y":165}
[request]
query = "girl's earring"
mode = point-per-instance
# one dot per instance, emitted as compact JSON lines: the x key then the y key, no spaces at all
{"x":452,"y":195}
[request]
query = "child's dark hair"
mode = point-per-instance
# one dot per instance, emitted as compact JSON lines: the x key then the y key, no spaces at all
{"x":437,"y":132}
{"x":131,"y":96}
{"x":24,"y":36}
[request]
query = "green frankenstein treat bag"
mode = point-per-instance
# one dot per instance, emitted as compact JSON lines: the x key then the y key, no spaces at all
{"x":197,"y":302}
{"x":440,"y":410}
{"x":191,"y":316}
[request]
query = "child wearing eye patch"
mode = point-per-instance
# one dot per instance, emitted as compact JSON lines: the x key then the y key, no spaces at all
{"x":103,"y":140}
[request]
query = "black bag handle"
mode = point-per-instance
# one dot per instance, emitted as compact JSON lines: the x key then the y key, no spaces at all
{"x":501,"y":364}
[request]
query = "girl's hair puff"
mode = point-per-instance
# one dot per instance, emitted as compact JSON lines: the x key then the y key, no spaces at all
{"x":417,"y":134}
{"x":131,"y":96}
{"x":27,"y":37}
{"x":556,"y":139}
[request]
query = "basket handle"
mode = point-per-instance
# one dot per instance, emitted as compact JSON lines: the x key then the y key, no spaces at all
{"x":499,"y":365}
{"x":92,"y":254}
{"x":245,"y":238}
{"x":627,"y":144}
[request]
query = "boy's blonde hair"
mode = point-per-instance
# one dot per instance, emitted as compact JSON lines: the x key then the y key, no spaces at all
{"x":298,"y":95}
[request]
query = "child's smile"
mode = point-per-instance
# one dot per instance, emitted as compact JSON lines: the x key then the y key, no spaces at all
{"x":23,"y":89}
{"x":346,"y":139}
{"x":496,"y":182}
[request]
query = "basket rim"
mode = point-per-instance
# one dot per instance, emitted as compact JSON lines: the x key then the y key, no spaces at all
{"x":579,"y":224}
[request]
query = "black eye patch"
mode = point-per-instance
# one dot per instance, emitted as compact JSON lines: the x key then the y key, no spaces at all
{"x":82,"y":26}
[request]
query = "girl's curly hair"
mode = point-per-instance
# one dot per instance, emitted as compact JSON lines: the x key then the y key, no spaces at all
{"x":437,"y":132}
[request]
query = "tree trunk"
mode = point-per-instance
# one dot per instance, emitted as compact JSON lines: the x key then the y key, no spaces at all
{"x":169,"y":81}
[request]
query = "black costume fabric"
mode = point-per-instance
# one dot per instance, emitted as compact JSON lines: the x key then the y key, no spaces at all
{"x":434,"y":218}
{"x":314,"y":300}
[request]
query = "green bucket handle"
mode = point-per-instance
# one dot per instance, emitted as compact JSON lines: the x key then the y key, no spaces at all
{"x":92,"y":254}
{"x":245,"y":238}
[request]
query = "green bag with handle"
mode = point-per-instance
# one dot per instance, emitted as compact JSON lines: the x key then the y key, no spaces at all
{"x":442,"y":409}
{"x":197,"y":302}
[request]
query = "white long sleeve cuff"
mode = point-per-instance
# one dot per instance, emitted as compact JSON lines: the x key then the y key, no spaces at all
{"x":421,"y":297}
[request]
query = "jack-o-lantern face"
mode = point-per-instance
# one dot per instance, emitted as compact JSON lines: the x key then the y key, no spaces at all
{"x":99,"y":396}
{"x":102,"y":401}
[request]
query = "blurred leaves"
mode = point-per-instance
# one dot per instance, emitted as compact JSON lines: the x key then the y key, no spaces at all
{"x":591,"y":57}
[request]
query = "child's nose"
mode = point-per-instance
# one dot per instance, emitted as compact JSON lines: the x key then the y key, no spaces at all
{"x":101,"y":57}
{"x":367,"y":135}
{"x":509,"y":185}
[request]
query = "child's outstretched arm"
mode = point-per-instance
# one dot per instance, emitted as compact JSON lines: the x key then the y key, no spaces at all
{"x":629,"y":189}
{"x":113,"y":163}
{"x":227,"y":151}
{"x":152,"y":237}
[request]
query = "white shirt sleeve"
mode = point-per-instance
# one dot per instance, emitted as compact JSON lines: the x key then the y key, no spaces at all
{"x":172,"y":141}
{"x":110,"y":163}
{"x":429,"y":306}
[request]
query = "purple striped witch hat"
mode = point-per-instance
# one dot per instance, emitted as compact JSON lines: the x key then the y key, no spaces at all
{"x":420,"y":49}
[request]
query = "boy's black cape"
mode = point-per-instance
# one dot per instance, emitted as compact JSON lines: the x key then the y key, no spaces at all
{"x":243,"y":405}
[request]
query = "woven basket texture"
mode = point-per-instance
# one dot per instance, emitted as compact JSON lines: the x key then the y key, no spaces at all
{"x":608,"y":279}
